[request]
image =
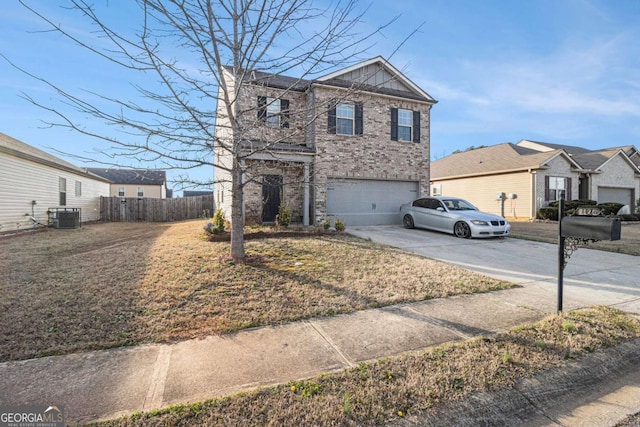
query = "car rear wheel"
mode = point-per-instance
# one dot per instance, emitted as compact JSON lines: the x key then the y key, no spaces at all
{"x":408,"y":221}
{"x":461,"y":229}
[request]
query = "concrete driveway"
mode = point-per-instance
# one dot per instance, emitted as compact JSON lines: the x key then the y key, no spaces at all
{"x":590,"y":278}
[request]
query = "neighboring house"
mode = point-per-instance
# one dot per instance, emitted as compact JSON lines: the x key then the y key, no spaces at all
{"x":134,"y":182}
{"x":353,"y":145}
{"x":531,"y":174}
{"x":32,"y":181}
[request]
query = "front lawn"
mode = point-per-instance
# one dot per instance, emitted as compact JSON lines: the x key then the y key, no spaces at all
{"x":116,"y":284}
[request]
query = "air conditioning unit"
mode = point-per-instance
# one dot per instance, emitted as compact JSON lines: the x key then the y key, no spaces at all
{"x":66,"y":219}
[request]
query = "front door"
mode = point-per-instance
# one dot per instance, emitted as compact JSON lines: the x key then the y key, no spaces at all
{"x":271,"y":191}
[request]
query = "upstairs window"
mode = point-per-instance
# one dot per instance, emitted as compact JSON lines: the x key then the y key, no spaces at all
{"x":120,"y":191}
{"x":273,"y":112}
{"x":345,"y":119}
{"x":405,"y":125}
{"x":140,"y":192}
{"x":78,"y":189}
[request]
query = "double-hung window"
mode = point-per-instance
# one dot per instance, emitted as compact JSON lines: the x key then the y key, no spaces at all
{"x":345,"y":118}
{"x":120,"y":191}
{"x":62,"y":188}
{"x":273,"y":111}
{"x":140,"y":191}
{"x":405,"y":125}
{"x":556,"y":187}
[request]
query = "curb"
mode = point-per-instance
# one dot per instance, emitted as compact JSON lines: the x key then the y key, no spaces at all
{"x":541,"y":399}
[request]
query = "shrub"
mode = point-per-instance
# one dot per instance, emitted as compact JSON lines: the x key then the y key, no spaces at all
{"x":610,"y":208}
{"x":338,"y":224}
{"x":219,"y":219}
{"x":284,"y":216}
{"x":326,"y":224}
{"x":217,"y":224}
{"x":548,"y":212}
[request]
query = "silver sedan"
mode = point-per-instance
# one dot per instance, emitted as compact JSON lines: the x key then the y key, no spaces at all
{"x":454,"y":216}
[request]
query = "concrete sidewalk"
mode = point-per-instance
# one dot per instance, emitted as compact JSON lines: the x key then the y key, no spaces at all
{"x":106,"y":384}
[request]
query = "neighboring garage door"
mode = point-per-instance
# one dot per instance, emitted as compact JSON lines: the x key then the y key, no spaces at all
{"x":368,"y":202}
{"x":618,"y":195}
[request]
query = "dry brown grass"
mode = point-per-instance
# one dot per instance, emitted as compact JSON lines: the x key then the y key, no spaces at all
{"x":374,"y":393}
{"x":548,"y":232}
{"x":117,"y":284}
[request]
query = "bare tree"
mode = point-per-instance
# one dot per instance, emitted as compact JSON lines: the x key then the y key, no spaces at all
{"x":172,"y":125}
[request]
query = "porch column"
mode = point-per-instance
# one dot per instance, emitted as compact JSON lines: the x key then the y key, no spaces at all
{"x":305,"y":204}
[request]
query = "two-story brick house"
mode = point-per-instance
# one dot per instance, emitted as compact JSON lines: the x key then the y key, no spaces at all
{"x":352,"y":145}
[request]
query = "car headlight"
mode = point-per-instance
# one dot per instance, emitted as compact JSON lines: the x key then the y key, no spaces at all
{"x":478,"y":222}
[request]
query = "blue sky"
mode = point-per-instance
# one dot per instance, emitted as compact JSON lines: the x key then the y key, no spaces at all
{"x":562,"y":71}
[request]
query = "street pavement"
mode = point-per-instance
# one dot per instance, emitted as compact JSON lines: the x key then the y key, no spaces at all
{"x":105,"y":384}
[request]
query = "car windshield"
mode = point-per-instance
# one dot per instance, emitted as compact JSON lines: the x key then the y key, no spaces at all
{"x":458,"y":205}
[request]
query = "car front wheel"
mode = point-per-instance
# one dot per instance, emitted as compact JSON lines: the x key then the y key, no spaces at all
{"x":461,"y":229}
{"x":408,"y":221}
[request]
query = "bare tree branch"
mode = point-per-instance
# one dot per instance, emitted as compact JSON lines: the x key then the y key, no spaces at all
{"x":200,"y":53}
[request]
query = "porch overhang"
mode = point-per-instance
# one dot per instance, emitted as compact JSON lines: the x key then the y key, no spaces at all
{"x":283,"y":152}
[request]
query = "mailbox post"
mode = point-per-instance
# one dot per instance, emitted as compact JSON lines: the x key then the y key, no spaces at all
{"x":580,"y":230}
{"x":561,"y":253}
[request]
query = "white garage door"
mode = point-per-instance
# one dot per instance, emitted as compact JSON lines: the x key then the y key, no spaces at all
{"x":618,"y":195}
{"x":368,"y":202}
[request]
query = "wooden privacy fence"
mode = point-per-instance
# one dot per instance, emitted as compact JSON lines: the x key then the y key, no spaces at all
{"x":117,"y":209}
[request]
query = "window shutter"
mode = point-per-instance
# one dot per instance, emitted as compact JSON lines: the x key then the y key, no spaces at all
{"x":416,"y":126}
{"x":331,"y":123}
{"x":568,"y":188}
{"x":262,"y":109}
{"x":358,"y":110}
{"x":394,"y":124}
{"x":284,"y":109}
{"x":546,"y":188}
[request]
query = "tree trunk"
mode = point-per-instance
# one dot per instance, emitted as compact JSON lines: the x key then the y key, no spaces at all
{"x":237,"y":219}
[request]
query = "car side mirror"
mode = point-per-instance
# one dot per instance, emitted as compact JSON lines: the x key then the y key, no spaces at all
{"x":440,"y":209}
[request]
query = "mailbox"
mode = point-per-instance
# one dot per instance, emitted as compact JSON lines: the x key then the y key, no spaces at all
{"x":590,"y":227}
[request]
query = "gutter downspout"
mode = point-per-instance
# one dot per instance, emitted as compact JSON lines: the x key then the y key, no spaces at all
{"x":534,"y":195}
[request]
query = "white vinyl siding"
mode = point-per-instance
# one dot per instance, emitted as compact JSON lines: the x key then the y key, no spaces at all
{"x":23,"y":181}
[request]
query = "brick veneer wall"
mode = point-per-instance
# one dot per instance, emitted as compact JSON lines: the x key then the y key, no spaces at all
{"x":372,"y":155}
